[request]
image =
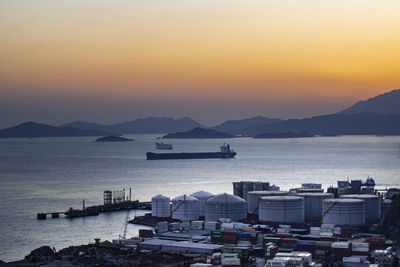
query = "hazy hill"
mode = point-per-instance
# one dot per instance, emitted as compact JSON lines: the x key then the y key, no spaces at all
{"x":235,"y":126}
{"x":33,"y":129}
{"x":155,"y":125}
{"x":387,"y":103}
{"x":363,"y":123}
{"x":145,"y":125}
{"x":198,"y":133}
{"x":84,"y":125}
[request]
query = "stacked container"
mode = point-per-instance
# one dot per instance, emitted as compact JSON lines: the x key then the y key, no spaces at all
{"x":341,"y":249}
{"x":197,"y":225}
{"x":359,"y":248}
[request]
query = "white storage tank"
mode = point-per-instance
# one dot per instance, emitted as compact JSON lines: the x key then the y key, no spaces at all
{"x":288,"y":209}
{"x":225,"y":206}
{"x":343,"y":211}
{"x":185,"y":207}
{"x":160,"y":206}
{"x":202,"y":196}
{"x":372,"y":206}
{"x":253,"y":198}
{"x":313,"y":204}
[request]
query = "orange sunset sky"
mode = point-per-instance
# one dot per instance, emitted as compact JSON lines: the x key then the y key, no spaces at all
{"x":109,"y":61}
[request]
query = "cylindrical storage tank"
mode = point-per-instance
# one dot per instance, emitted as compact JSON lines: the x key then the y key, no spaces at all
{"x":225,"y":206}
{"x":160,"y":206}
{"x":202,"y":196}
{"x":254,"y":197}
{"x":185,"y":207}
{"x":286,"y":209}
{"x":343,"y":211}
{"x":313,"y":204}
{"x":309,"y":190}
{"x":372,"y":206}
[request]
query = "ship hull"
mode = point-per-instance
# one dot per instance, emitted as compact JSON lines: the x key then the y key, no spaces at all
{"x":199,"y":155}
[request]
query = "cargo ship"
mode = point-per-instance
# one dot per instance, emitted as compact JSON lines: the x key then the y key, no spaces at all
{"x":225,"y":153}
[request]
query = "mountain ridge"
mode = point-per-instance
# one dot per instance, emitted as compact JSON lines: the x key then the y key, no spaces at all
{"x":33,"y":129}
{"x":363,"y":123}
{"x":198,"y":133}
{"x":141,"y":125}
{"x":234,"y":126}
{"x":384,"y":104}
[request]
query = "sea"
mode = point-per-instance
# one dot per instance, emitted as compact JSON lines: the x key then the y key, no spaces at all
{"x":53,"y":174}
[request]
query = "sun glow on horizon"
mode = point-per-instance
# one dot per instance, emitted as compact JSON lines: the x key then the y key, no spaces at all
{"x":251,"y":51}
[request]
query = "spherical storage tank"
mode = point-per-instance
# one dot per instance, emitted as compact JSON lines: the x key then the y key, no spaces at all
{"x":160,"y":206}
{"x":253,"y":198}
{"x":313,"y":204}
{"x":342,"y":211}
{"x":288,"y":209}
{"x":185,"y":207}
{"x":225,"y":206}
{"x":372,"y":206}
{"x":202,"y":196}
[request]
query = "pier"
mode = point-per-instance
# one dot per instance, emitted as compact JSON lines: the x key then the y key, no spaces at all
{"x":113,"y":201}
{"x":96,"y":210}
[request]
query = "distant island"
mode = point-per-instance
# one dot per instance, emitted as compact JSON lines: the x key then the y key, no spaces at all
{"x":33,"y":129}
{"x":198,"y":133}
{"x":113,"y":138}
{"x":283,"y":135}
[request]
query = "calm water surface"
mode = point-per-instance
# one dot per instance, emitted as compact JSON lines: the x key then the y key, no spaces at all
{"x":52,"y":174}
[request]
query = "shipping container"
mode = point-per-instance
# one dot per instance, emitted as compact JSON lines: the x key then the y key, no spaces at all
{"x":145,"y":233}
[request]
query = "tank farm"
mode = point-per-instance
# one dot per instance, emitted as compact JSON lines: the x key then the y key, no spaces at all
{"x":260,"y":225}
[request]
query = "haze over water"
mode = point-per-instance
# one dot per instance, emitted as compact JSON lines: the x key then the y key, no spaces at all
{"x":53,"y":174}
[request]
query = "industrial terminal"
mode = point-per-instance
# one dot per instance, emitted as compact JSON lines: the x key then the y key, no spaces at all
{"x":352,"y":224}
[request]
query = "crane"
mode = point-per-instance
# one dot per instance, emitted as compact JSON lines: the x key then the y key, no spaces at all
{"x":125,"y":226}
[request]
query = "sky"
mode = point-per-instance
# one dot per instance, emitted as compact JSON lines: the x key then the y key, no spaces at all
{"x":117,"y":60}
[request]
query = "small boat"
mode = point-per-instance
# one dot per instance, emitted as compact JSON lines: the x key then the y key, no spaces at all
{"x":369,"y":182}
{"x":163,"y":146}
